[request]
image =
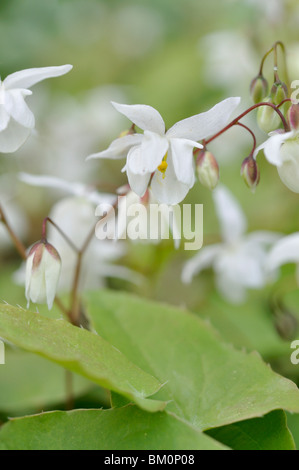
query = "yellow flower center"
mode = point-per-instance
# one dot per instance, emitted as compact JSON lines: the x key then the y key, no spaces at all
{"x":163,"y":166}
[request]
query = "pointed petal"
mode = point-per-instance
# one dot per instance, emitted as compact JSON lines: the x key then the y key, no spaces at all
{"x":205,"y":124}
{"x":182,"y":157}
{"x":4,"y":118}
{"x":230,"y":215}
{"x":52,"y":273}
{"x":13,"y":137}
{"x":272,"y":148}
{"x":144,"y":116}
{"x":263,"y":237}
{"x":16,"y":106}
{"x":284,"y":251}
{"x":167,"y":189}
{"x":29,"y":77}
{"x":289,"y":170}
{"x":119,"y":147}
{"x":138,"y":183}
{"x":146,"y":157}
{"x":204,"y":259}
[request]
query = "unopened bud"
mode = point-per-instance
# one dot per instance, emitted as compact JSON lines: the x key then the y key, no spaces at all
{"x":258,"y":89}
{"x":286,"y":324}
{"x":293,"y":116}
{"x":279,"y":92}
{"x":267,"y":118}
{"x":250,"y":172}
{"x":207,"y":169}
{"x":42,"y":273}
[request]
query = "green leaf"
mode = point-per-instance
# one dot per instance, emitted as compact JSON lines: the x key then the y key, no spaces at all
{"x":269,"y":432}
{"x":207,"y":382}
{"x":127,"y":428}
{"x":80,"y":351}
{"x":29,"y":383}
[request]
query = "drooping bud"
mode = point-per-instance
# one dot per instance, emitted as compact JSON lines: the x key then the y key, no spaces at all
{"x":285,"y":323}
{"x":207,"y":169}
{"x":279,"y":92}
{"x":258,"y":89}
{"x":250,"y":172}
{"x":267,"y":118}
{"x":43,"y":267}
{"x":293,"y":116}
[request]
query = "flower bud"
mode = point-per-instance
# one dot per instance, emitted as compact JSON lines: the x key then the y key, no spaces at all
{"x":267,"y":118}
{"x":279,"y":92}
{"x":207,"y":169}
{"x":42,"y":273}
{"x":286,"y":324}
{"x":293,"y":116}
{"x":258,"y":89}
{"x":250,"y":172}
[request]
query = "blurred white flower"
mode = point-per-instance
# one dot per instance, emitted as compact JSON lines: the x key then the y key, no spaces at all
{"x":229,"y":60}
{"x":282,"y":150}
{"x":164,"y":159}
{"x":16,"y":119}
{"x":154,"y":222}
{"x":75,"y":216}
{"x":239,"y":260}
{"x":43,"y":268}
{"x":284,"y":251}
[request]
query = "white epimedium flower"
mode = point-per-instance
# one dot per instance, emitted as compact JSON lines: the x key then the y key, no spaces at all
{"x":239,"y":260}
{"x":282,"y":150}
{"x":43,"y":268}
{"x":16,"y":119}
{"x":283,"y":252}
{"x":164,"y":159}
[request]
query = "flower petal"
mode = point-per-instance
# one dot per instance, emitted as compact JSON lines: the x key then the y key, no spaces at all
{"x":138,"y":183}
{"x":272,"y":148}
{"x":204,"y":259}
{"x":144,"y":116}
{"x":13,"y":137}
{"x":167,"y":188}
{"x":16,"y":106}
{"x":289,"y":170}
{"x":4,"y":118}
{"x":205,"y":124}
{"x":119,"y":147}
{"x":230,"y":215}
{"x":29,"y":77}
{"x":182,"y":157}
{"x":284,"y":251}
{"x":146,"y":157}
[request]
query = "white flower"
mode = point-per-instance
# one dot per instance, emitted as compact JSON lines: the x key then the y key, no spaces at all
{"x":164,"y":159}
{"x":239,"y":261}
{"x":43,"y":267}
{"x":16,"y":119}
{"x":282,"y":150}
{"x":284,"y":251}
{"x":75,"y":215}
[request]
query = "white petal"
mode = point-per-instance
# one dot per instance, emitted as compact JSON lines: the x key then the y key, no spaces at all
{"x":289,"y":170}
{"x":16,"y":106}
{"x":146,"y":157}
{"x":138,"y":183}
{"x":13,"y":137}
{"x":4,"y":118}
{"x":272,"y":148}
{"x":119,"y":147}
{"x":52,"y":273}
{"x":263,"y":237}
{"x":205,"y":124}
{"x":284,"y":251}
{"x":144,"y":116}
{"x":29,"y":77}
{"x":182,"y":157}
{"x":166,"y":188}
{"x":233,"y":292}
{"x":231,"y":217}
{"x":204,"y":259}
